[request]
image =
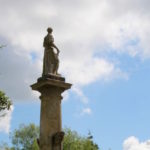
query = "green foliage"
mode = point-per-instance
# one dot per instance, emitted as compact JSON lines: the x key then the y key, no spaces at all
{"x":5,"y":102}
{"x":4,"y":146}
{"x":73,"y":141}
{"x":25,"y":137}
{"x":1,"y":46}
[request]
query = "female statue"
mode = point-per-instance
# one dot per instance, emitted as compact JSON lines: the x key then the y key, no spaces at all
{"x":51,"y":61}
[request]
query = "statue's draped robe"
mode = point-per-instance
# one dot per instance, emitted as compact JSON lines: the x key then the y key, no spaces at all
{"x":50,"y":58}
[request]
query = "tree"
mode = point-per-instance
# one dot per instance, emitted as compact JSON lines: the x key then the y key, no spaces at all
{"x":1,"y":46}
{"x":5,"y":102}
{"x":5,"y":146}
{"x":25,"y":137}
{"x":74,"y":141}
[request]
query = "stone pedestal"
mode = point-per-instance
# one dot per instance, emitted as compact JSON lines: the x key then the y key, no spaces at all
{"x":51,"y":134}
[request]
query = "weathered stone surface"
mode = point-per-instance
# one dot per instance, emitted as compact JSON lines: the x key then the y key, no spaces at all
{"x":51,"y":76}
{"x":57,"y":140}
{"x":51,"y":135}
{"x":51,"y":60}
{"x":51,"y":85}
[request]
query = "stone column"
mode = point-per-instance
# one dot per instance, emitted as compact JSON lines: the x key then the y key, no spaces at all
{"x":51,"y":134}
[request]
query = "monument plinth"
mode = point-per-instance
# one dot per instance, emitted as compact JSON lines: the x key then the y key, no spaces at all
{"x":51,"y":134}
{"x":51,"y":85}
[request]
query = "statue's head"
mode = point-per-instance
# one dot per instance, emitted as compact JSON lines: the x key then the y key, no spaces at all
{"x":49,"y":30}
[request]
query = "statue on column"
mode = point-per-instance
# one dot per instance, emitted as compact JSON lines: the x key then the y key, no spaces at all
{"x":51,"y":61}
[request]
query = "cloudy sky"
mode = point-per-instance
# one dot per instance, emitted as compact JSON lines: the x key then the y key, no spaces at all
{"x":105,"y":54}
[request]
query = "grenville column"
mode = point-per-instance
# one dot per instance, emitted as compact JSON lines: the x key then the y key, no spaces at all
{"x":51,"y":85}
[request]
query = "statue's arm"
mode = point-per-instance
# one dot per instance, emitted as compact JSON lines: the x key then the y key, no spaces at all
{"x":53,"y":45}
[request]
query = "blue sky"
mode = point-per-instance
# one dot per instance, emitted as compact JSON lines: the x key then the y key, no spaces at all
{"x":120,"y":109}
{"x":104,"y":52}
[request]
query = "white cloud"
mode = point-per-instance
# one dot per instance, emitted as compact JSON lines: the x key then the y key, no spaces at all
{"x":90,"y":70}
{"x":5,"y":120}
{"x":17,"y":73}
{"x":83,"y":30}
{"x":90,"y":23}
{"x":132,"y":143}
{"x":86,"y":111}
{"x":81,"y":95}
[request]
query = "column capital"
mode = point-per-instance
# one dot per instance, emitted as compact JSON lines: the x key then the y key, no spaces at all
{"x":53,"y":82}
